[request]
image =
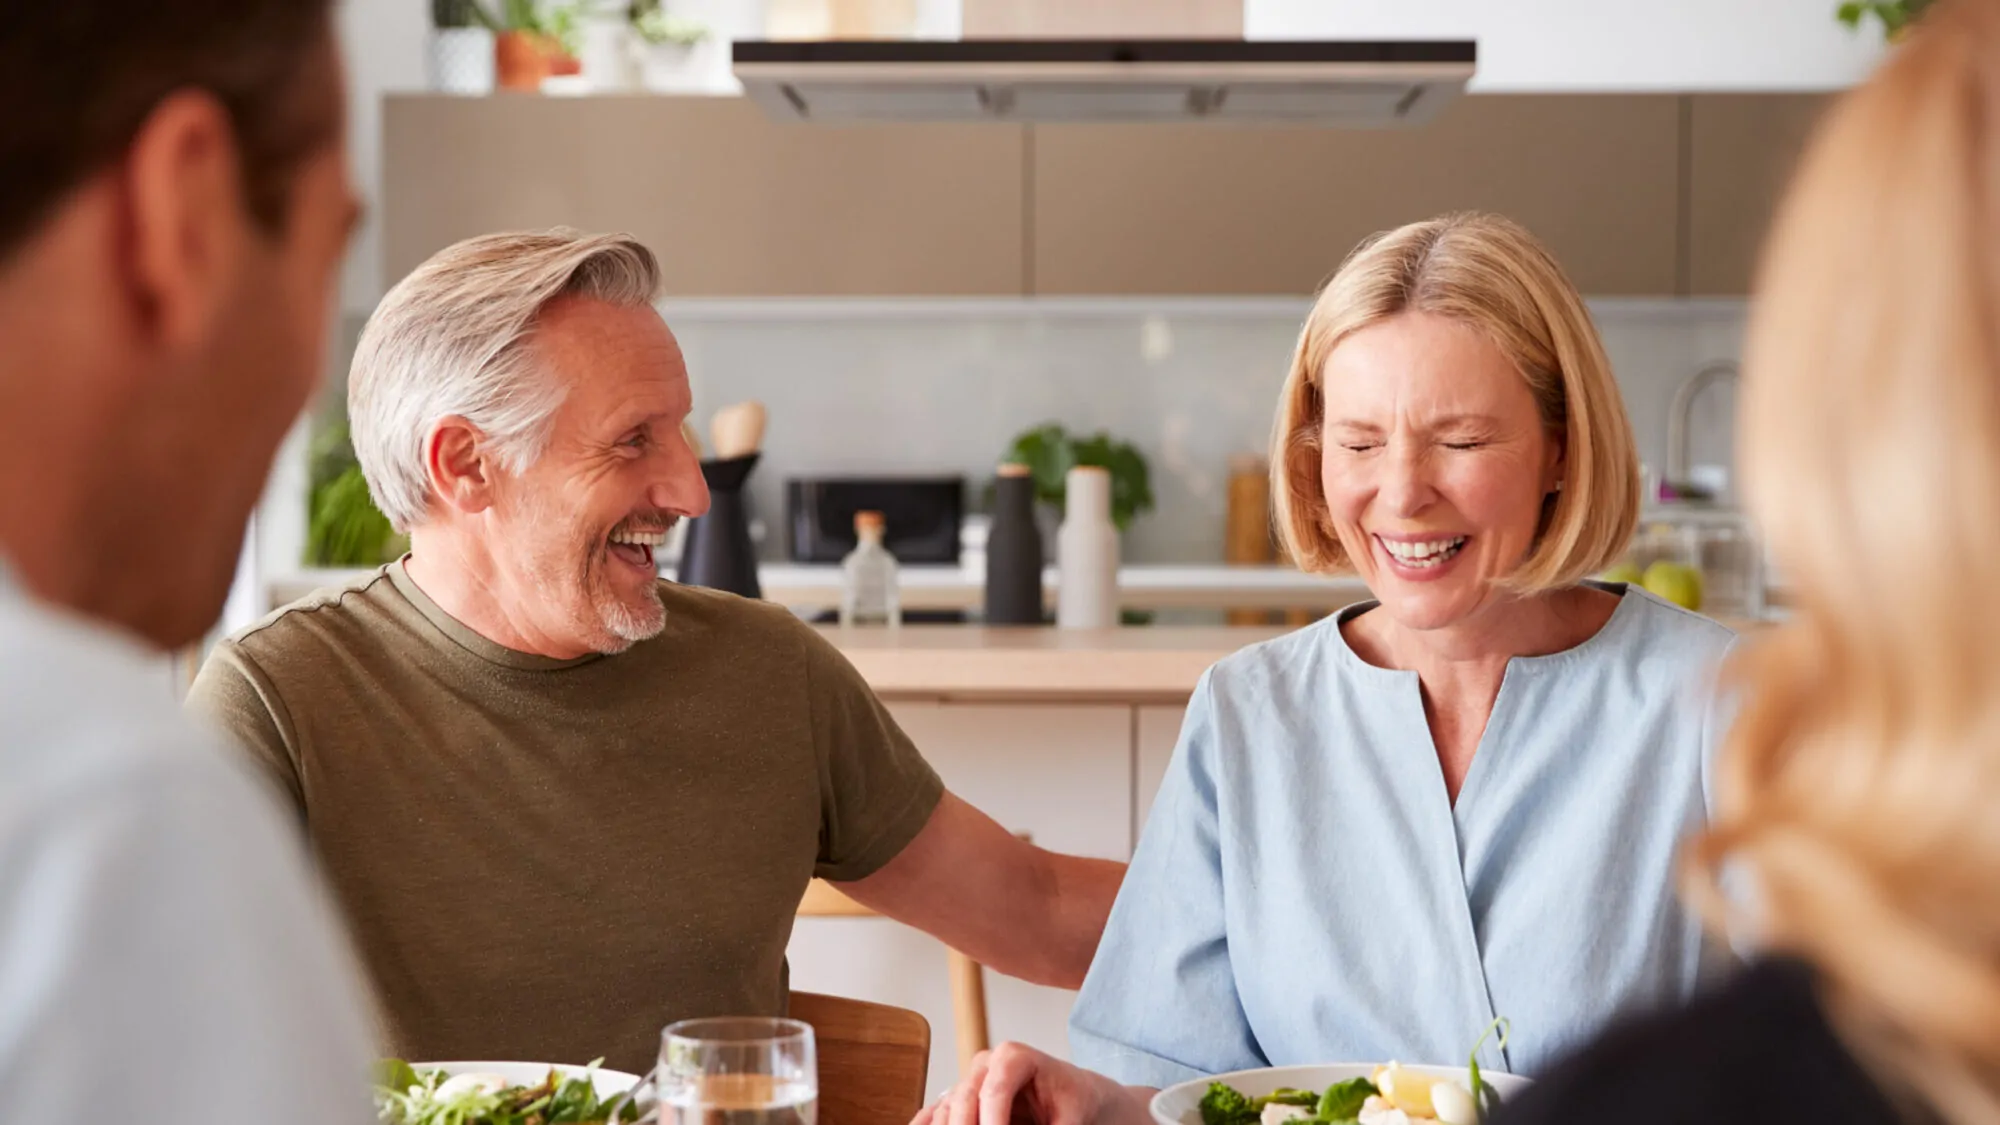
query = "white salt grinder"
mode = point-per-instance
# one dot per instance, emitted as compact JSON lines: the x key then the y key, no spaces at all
{"x":1087,"y":553}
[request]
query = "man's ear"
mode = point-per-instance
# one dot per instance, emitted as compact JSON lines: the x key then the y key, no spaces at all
{"x":188,"y":226}
{"x":460,"y":466}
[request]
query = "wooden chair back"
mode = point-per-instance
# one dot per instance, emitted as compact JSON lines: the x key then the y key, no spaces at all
{"x":874,"y":1059}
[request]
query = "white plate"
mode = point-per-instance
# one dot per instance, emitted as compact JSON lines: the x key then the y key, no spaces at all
{"x":608,"y":1082}
{"x":1181,"y":1105}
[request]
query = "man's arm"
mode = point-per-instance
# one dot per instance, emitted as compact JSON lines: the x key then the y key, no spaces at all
{"x":1021,"y":910}
{"x":896,"y":842}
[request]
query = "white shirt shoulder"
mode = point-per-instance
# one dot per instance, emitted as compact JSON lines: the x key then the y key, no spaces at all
{"x":165,"y":952}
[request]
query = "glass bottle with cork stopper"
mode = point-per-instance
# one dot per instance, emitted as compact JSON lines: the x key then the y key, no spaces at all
{"x":869,"y":593}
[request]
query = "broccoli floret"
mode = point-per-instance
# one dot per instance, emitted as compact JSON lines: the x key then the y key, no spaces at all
{"x":1224,"y":1106}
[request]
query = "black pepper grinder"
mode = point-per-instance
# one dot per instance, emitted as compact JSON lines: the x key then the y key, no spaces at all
{"x":717,"y":551}
{"x":1014,"y":551}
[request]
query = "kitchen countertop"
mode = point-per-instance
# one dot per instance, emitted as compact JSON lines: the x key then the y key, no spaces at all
{"x":1146,"y":664}
{"x":972,"y":662}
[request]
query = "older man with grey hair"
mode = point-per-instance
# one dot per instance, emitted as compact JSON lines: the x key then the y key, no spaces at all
{"x":564,"y":802}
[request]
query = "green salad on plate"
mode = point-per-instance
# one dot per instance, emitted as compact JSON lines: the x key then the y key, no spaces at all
{"x":414,"y":1095}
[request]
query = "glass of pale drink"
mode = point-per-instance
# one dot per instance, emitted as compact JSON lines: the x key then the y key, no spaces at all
{"x":736,"y":1070}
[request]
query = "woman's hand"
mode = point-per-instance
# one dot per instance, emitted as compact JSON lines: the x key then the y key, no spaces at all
{"x":1013,"y":1083}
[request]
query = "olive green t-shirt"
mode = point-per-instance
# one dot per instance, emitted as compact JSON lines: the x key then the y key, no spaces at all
{"x":550,"y":860}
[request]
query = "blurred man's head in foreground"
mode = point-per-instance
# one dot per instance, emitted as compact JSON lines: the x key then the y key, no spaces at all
{"x":174,"y":204}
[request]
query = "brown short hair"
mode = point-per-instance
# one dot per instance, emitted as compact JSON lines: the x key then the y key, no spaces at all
{"x":78,"y":79}
{"x":1490,"y":273}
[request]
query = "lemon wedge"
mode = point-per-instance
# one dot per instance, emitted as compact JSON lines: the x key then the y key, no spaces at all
{"x":1407,"y":1090}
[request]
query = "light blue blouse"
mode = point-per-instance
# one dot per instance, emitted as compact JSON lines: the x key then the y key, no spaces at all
{"x":1305,"y":891}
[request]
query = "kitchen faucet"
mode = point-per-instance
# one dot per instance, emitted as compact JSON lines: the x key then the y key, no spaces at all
{"x":1678,"y":417}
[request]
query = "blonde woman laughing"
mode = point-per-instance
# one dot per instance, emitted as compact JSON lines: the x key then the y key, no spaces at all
{"x":1460,"y":799}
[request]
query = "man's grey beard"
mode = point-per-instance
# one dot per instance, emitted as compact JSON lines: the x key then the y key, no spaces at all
{"x":628,"y":625}
{"x":618,"y":626}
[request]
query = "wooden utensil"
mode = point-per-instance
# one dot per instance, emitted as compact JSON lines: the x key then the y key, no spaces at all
{"x":738,"y":430}
{"x":1247,"y":535}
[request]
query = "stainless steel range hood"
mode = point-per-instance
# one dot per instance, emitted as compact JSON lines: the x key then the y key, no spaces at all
{"x":1339,"y":83}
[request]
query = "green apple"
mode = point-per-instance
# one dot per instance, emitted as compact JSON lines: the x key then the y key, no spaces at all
{"x":1678,"y":583}
{"x":1625,"y":572}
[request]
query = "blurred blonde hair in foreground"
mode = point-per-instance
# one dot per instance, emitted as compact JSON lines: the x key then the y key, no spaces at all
{"x":1860,"y":787}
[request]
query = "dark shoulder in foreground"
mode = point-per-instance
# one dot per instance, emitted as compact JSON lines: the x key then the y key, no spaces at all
{"x":1757,"y":1050}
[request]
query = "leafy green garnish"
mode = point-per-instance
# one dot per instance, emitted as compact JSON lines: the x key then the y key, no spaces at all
{"x":395,"y":1074}
{"x":1223,"y":1105}
{"x":1342,"y":1100}
{"x":1337,"y":1105}
{"x":1486,"y":1099}
{"x":1285,"y":1095}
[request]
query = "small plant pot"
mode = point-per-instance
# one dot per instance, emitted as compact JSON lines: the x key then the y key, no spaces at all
{"x":668,"y":68}
{"x":461,"y":60}
{"x":521,"y":60}
{"x":609,"y":62}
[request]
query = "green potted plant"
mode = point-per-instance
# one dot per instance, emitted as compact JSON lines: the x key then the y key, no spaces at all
{"x":664,"y":45}
{"x":564,"y":39}
{"x":343,"y":526}
{"x":1894,"y":15}
{"x":655,"y":25}
{"x":533,"y":39}
{"x":1050,"y":452}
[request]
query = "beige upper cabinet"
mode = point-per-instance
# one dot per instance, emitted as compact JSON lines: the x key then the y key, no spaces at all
{"x":1741,"y":152}
{"x":1642,"y":195}
{"x":1273,"y":210}
{"x":733,"y":204}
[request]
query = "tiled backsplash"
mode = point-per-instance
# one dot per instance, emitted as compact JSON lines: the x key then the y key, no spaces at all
{"x":927,"y":386}
{"x":942,"y":385}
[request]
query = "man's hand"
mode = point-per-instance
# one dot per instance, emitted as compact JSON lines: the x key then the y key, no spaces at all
{"x":1013,"y":1083}
{"x":1020,"y":910}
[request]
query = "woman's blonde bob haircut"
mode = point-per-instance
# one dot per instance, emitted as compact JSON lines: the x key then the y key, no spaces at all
{"x":1489,"y":273}
{"x":1859,"y":789}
